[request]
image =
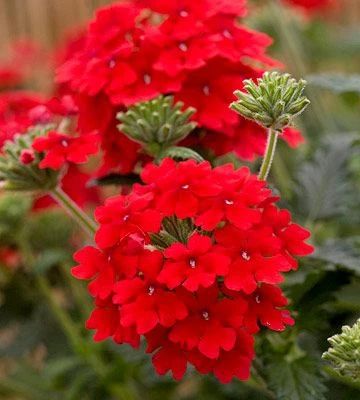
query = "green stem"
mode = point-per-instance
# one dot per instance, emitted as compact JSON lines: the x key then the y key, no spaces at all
{"x":269,"y":154}
{"x":74,"y":211}
{"x":62,"y":317}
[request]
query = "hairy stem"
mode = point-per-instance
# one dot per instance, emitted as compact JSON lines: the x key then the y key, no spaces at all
{"x":269,"y":154}
{"x":74,"y":211}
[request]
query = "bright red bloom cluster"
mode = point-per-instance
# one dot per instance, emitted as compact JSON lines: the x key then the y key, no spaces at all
{"x":197,"y":50}
{"x":190,"y":261}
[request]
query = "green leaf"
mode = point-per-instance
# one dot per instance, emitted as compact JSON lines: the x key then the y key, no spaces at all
{"x":60,"y":366}
{"x":341,"y":252}
{"x":347,"y":298}
{"x":49,"y":230}
{"x":50,"y":258}
{"x":80,"y":385}
{"x":13,"y":211}
{"x":29,"y":383}
{"x":33,"y":331}
{"x":297,"y":379}
{"x":180,"y":153}
{"x":323,"y":182}
{"x":337,"y":83}
{"x":311,"y":297}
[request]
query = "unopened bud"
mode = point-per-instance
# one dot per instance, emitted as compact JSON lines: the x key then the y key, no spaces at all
{"x":157,"y":123}
{"x":344,"y":353}
{"x":273,"y":101}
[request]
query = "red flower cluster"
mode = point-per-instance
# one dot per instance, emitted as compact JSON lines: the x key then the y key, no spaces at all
{"x":190,"y":261}
{"x":60,"y":148}
{"x":16,"y":112}
{"x":21,"y":109}
{"x":196,"y":50}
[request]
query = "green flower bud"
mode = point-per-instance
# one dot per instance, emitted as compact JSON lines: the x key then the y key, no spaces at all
{"x":273,"y":101}
{"x":157,"y":124}
{"x":344,"y":353}
{"x":19,"y":170}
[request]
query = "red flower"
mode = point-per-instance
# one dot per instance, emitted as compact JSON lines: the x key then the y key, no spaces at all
{"x":236,"y":42}
{"x":60,"y":148}
{"x":144,"y":303}
{"x":240,"y":193}
{"x":95,"y":265}
{"x":211,"y":325}
{"x":237,"y":362}
{"x":15,"y":114}
{"x":27,"y":156}
{"x":196,"y":297}
{"x":145,"y":81}
{"x":181,"y":187}
{"x":170,"y":358}
{"x":195,"y":265}
{"x":124,"y":215}
{"x":179,"y":55}
{"x":105,"y":320}
{"x":210,"y":92}
{"x":266,"y":306}
{"x":256,"y":257}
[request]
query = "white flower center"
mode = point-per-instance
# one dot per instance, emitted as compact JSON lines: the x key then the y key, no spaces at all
{"x":183,"y":47}
{"x":151,"y":290}
{"x":245,"y":255}
{"x":112,"y":63}
{"x":206,"y":90}
{"x":147,"y":79}
{"x":192,"y":263}
{"x":183,"y":13}
{"x":185,"y":187}
{"x":227,"y":34}
{"x":205,"y":315}
{"x":229,"y":202}
{"x":64,"y":143}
